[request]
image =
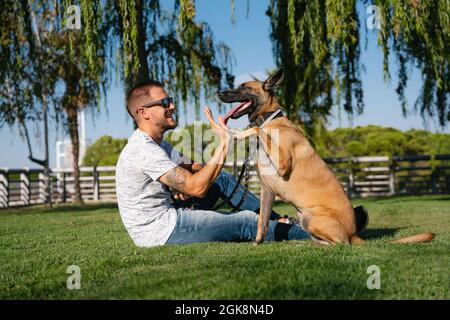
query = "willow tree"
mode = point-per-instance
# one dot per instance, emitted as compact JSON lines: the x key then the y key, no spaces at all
{"x":166,"y":45}
{"x":76,"y":63}
{"x":44,"y":61}
{"x":172,"y":47}
{"x":318,"y":43}
{"x":418,"y":33}
{"x":26,"y":83}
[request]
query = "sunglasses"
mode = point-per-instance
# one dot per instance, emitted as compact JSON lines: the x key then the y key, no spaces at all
{"x":165,"y":103}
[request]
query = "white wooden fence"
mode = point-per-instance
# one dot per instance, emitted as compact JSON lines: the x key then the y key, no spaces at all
{"x":27,"y":186}
{"x":360,"y":176}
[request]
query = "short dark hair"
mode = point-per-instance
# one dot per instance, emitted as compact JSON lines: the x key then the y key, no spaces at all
{"x":137,"y":90}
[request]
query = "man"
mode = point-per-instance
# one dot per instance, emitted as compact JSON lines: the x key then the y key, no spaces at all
{"x":148,"y":167}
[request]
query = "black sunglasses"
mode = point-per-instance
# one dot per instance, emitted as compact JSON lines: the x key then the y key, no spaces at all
{"x":165,"y":103}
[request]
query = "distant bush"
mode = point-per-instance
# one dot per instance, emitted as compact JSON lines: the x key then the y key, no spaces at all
{"x":342,"y":142}
{"x":190,"y":145}
{"x":375,"y":140}
{"x":104,"y":152}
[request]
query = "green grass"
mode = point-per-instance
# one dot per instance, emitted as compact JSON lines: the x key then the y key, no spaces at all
{"x":37,"y":245}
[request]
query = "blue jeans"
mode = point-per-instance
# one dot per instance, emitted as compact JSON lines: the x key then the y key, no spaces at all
{"x":202,"y":225}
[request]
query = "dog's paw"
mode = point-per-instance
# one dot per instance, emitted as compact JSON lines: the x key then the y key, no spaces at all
{"x":258,"y":241}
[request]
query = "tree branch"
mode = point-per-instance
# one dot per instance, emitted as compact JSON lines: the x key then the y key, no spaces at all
{"x":42,"y":163}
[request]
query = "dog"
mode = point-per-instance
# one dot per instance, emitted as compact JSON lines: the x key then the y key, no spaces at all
{"x":298,"y":175}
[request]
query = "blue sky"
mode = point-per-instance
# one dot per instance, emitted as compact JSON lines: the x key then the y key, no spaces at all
{"x":250,"y":43}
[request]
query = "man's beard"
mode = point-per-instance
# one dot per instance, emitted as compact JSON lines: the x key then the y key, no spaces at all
{"x":170,"y":126}
{"x":171,"y":121}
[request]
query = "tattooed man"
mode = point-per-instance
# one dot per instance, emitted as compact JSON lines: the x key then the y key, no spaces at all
{"x":148,"y":168}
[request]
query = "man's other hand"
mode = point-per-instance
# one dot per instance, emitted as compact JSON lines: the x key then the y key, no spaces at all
{"x":197,"y":166}
{"x":179,"y":195}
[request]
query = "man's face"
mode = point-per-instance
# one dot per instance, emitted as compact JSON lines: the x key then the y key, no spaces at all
{"x":156,"y":115}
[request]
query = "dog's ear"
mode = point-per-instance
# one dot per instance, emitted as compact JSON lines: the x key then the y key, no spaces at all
{"x":274,"y":81}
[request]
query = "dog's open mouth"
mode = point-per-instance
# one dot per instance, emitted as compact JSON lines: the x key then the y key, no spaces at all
{"x":237,"y":111}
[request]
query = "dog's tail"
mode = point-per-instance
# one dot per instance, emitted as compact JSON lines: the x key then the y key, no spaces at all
{"x":421,"y":237}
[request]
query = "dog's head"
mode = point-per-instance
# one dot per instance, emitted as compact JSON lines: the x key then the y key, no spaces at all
{"x":254,"y":97}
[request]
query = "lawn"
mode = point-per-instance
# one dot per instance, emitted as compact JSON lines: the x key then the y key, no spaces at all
{"x":37,"y":245}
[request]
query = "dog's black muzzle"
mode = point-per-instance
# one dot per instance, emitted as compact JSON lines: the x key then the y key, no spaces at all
{"x":231,"y":96}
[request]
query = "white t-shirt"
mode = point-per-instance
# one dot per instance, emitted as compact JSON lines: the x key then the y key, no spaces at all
{"x":145,"y":205}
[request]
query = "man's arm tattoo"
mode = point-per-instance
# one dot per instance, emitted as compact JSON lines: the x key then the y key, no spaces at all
{"x":177,"y":178}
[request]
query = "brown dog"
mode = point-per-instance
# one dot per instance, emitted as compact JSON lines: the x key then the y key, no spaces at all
{"x":289,"y":167}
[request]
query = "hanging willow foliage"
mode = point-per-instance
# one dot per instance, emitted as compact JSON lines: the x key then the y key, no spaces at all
{"x":83,"y":62}
{"x":129,"y":33}
{"x":167,"y":45}
{"x":12,"y":66}
{"x":207,"y":65}
{"x":173,"y":48}
{"x":318,"y":44}
{"x":47,"y":64}
{"x":418,"y":32}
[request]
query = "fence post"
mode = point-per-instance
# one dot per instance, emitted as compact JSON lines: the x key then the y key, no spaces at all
{"x":392,"y":176}
{"x":4,"y":186}
{"x":42,"y":192}
{"x":434,"y":182}
{"x":51,"y":188}
{"x":433,"y":174}
{"x":64,"y":189}
{"x":95,"y":175}
{"x":25,"y":179}
{"x":350,"y":177}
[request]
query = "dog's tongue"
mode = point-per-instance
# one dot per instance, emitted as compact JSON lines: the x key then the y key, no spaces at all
{"x":234,"y":110}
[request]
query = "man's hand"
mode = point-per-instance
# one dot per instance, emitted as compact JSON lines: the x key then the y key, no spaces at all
{"x":180,"y":196}
{"x":220,"y":128}
{"x":196,"y":166}
{"x":197,"y":184}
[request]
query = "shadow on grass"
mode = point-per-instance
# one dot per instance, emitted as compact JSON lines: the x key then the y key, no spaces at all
{"x":445,"y":198}
{"x":372,"y":234}
{"x":411,"y":197}
{"x":58,"y":208}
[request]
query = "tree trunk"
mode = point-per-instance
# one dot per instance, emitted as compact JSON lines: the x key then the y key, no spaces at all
{"x":72,"y":117}
{"x":48,"y":181}
{"x":46,"y":162}
{"x":142,"y":73}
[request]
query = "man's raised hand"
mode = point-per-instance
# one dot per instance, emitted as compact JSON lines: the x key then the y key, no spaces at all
{"x":220,"y":128}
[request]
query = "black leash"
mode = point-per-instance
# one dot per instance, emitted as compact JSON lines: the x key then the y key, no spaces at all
{"x":245,"y":173}
{"x":245,"y":170}
{"x":246,"y":167}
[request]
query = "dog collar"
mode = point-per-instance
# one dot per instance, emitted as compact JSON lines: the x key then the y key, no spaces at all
{"x":261,"y":120}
